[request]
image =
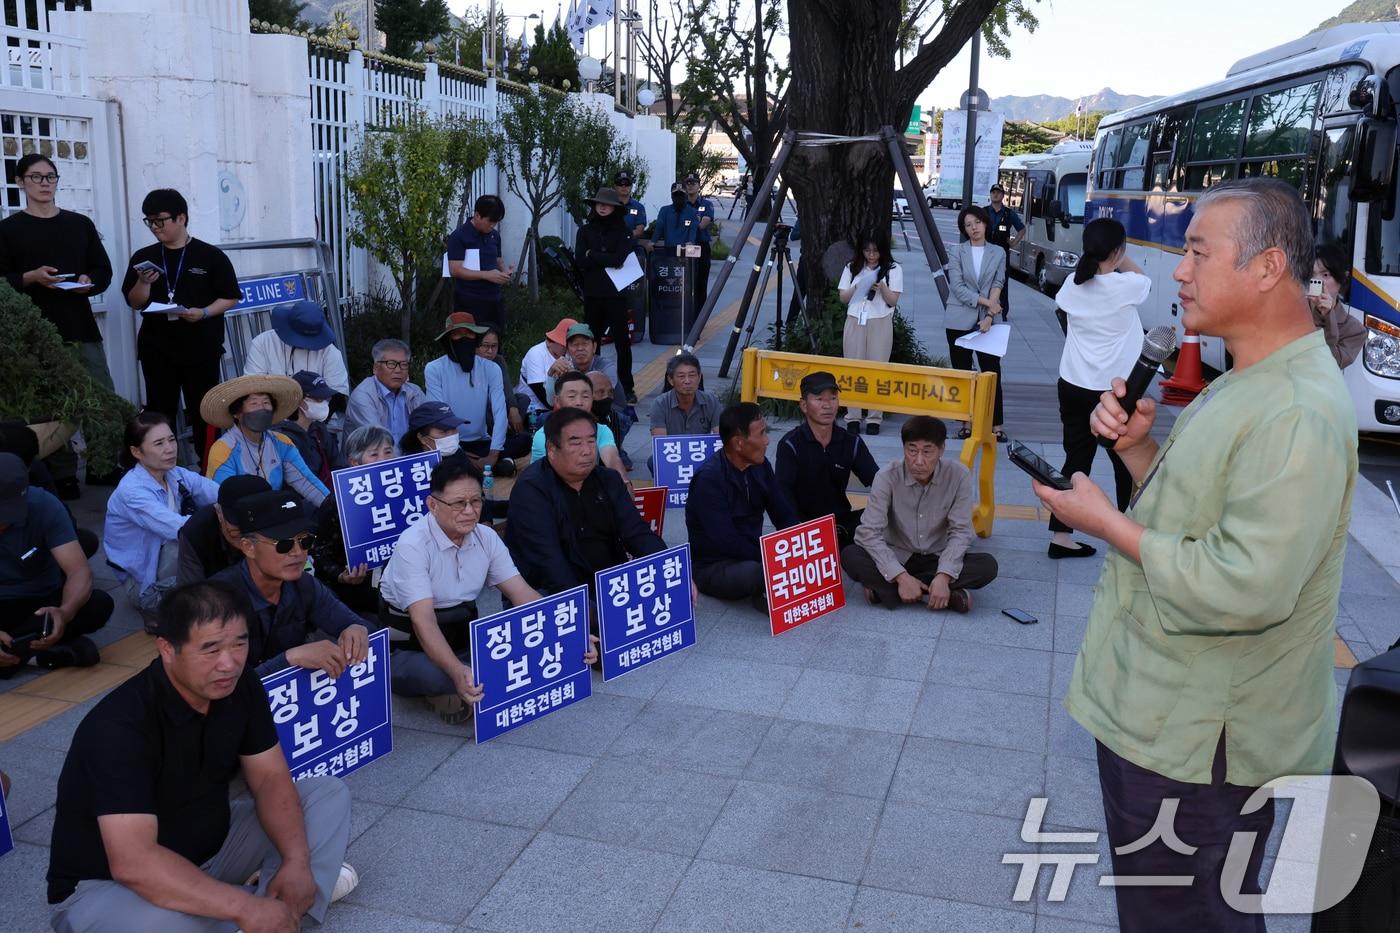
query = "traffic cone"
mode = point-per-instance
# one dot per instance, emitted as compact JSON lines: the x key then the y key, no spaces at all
{"x":1186,"y":382}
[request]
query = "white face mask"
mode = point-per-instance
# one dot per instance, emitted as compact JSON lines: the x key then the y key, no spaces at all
{"x":447,"y":446}
{"x":318,"y":410}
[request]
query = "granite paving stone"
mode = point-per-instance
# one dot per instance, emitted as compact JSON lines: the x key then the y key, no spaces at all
{"x":879,"y":911}
{"x":981,"y":717}
{"x":991,"y":667}
{"x":835,"y":758}
{"x":735,"y":684}
{"x":972,"y":778}
{"x":873,"y":650}
{"x":499,"y":783}
{"x":714,"y":897}
{"x":695,"y":738}
{"x":856,"y":700}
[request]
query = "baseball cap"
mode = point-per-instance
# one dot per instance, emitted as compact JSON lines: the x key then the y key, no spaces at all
{"x":623,"y":178}
{"x":816,"y":382}
{"x":433,"y":415}
{"x":275,"y":514}
{"x":235,"y":488}
{"x":461,"y":320}
{"x":997,"y":188}
{"x":14,"y":488}
{"x":579,"y":330}
{"x":693,"y":176}
{"x":313,"y":386}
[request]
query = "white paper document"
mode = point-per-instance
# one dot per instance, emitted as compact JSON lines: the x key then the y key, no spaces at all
{"x":472,"y":260}
{"x":69,"y":286}
{"x":630,"y":272}
{"x":157,"y":307}
{"x":993,"y":342}
{"x":446,"y":269}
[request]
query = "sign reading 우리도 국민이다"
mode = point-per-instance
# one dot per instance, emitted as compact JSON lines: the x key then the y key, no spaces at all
{"x":529,"y":661}
{"x":802,"y":573}
{"x":332,"y":727}
{"x":676,"y":458}
{"x":644,"y":610}
{"x":378,"y":501}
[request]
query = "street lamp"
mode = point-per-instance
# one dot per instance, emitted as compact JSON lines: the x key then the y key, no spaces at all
{"x":589,"y":70}
{"x":646,"y":97}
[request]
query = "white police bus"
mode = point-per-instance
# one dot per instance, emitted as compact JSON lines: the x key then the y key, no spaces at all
{"x":1319,"y":112}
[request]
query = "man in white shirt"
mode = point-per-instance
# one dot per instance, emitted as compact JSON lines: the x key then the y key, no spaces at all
{"x":300,"y":339}
{"x":544,"y":362}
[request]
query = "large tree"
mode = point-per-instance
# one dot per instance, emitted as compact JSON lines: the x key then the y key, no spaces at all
{"x":846,"y":81}
{"x":407,"y":23}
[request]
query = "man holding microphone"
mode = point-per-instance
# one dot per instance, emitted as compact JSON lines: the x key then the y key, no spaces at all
{"x":1206,"y":669}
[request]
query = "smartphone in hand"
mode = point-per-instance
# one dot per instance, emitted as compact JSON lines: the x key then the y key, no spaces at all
{"x":1023,"y":457}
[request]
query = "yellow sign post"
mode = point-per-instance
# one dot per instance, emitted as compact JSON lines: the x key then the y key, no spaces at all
{"x":955,"y":394}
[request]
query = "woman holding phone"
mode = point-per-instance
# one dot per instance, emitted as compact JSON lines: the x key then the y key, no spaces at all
{"x":870,"y":285}
{"x":1345,"y":335}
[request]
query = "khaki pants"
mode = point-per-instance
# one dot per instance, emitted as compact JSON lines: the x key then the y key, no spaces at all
{"x":869,"y":341}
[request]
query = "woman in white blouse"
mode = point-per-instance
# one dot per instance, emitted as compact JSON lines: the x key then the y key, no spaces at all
{"x":1103,"y":341}
{"x":870,"y":286}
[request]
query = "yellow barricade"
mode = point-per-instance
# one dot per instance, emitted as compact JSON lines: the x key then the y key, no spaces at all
{"x":954,"y":394}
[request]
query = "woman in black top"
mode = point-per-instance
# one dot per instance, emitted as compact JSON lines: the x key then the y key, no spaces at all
{"x":603,"y":243}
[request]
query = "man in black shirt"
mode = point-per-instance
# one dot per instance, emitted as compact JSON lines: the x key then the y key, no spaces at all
{"x":816,"y":458}
{"x":569,"y":516}
{"x":144,"y":835}
{"x":208,"y":542}
{"x":180,"y":350}
{"x":56,"y":258}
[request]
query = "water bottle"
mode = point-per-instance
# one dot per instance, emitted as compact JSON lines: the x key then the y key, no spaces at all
{"x":487,"y":481}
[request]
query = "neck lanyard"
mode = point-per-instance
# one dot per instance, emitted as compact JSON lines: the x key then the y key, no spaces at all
{"x":172,"y":284}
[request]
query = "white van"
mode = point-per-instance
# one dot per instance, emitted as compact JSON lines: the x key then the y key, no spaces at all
{"x":1047,"y":190}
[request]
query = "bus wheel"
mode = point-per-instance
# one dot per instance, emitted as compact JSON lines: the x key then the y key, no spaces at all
{"x":1042,"y":278}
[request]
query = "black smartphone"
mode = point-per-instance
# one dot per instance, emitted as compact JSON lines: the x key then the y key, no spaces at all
{"x":1022,"y":456}
{"x":1025,"y":618}
{"x":21,"y":642}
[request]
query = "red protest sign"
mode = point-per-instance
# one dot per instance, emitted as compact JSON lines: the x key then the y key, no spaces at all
{"x":651,"y":502}
{"x":802,"y":573}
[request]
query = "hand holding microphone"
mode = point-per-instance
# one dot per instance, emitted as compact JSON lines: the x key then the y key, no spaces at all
{"x":1111,"y":420}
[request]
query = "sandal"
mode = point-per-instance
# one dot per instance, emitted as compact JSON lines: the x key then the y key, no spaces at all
{"x":1000,"y":435}
{"x":964,"y":433}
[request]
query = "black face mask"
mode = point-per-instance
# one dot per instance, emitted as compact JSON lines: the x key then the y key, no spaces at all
{"x":464,"y":352}
{"x":256,"y":421}
{"x":602,"y":408}
{"x":678,"y":198}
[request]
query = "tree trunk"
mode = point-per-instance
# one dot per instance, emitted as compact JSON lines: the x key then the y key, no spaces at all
{"x":406,"y":299}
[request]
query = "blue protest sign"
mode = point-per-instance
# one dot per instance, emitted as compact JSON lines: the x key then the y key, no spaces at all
{"x":529,"y":661}
{"x":676,"y":458}
{"x":644,"y":610}
{"x":333,"y":726}
{"x":7,"y":841}
{"x":378,"y":501}
{"x":267,"y":291}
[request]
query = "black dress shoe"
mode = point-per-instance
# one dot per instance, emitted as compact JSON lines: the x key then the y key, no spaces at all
{"x":873,"y":428}
{"x":1058,"y":551}
{"x":68,"y":489}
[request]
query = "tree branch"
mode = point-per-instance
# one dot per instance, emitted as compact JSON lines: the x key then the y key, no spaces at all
{"x":965,"y":19}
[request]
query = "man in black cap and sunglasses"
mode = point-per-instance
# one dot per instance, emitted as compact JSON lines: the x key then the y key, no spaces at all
{"x":289,"y":604}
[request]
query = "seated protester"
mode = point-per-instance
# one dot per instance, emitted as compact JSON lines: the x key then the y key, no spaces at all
{"x":569,"y":516}
{"x":386,"y":397}
{"x":148,"y":508}
{"x":816,"y":459}
{"x":607,"y":414}
{"x":246,"y":408}
{"x":145,"y":836}
{"x":43,"y":572}
{"x":433,"y":424}
{"x":351,"y":585}
{"x":582,"y":347}
{"x":429,"y":588}
{"x":685,"y":408}
{"x":17,"y":438}
{"x":288,"y":604}
{"x":543,"y":363}
{"x":477,"y":396}
{"x":574,"y":390}
{"x":912,"y":542}
{"x":300,"y":339}
{"x":306,"y":428}
{"x":517,"y":443}
{"x":724,"y":513}
{"x":208,"y":542}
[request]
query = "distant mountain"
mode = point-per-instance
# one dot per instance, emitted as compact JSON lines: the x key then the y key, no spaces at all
{"x":1043,"y":107}
{"x":1365,"y":11}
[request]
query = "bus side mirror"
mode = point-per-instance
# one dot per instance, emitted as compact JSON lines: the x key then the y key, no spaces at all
{"x":1375,"y":160}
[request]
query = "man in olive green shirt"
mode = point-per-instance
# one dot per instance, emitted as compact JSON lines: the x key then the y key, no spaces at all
{"x":1206,"y":669}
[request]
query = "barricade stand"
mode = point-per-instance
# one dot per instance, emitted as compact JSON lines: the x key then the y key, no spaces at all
{"x":952,"y":394}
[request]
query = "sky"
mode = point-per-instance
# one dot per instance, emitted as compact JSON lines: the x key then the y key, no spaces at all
{"x":1147,"y":47}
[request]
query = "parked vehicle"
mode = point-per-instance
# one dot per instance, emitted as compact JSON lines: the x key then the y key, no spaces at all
{"x":1047,"y":190}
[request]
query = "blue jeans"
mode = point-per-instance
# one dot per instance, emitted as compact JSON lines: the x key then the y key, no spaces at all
{"x":416,"y":675}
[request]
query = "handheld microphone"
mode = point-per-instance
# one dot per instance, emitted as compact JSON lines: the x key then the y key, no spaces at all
{"x":1156,"y":347}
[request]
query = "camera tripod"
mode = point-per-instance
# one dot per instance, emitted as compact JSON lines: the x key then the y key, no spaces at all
{"x":779,"y":258}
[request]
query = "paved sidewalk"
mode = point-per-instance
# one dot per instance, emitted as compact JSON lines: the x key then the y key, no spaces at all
{"x":865,"y":771}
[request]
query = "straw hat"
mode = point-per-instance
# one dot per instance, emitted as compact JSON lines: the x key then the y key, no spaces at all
{"x":286,"y":396}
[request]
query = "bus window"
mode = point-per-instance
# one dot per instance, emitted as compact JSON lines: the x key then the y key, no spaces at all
{"x":1293,"y":171}
{"x":1132,"y":156}
{"x":1171,"y":142}
{"x":1042,"y":187}
{"x":1201,"y":177}
{"x":1072,"y":196}
{"x":1216,"y":134}
{"x":1333,"y":210}
{"x":1161,"y":172}
{"x":1337,"y":87}
{"x":1281,"y":122}
{"x":1383,"y":235}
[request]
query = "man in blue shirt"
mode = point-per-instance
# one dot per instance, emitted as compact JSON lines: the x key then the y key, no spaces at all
{"x":677,"y":223}
{"x":476,"y":265}
{"x":1005,"y":230}
{"x":633,"y":211}
{"x":706,"y":209}
{"x":43,"y":571}
{"x":386,"y":397}
{"x":470,"y":390}
{"x":724,"y":512}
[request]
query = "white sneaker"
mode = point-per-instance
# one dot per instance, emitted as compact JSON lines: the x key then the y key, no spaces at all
{"x":349,"y":879}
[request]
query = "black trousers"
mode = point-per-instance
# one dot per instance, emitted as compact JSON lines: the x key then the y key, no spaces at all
{"x":701,"y":282}
{"x":167,"y":378}
{"x":490,"y":311}
{"x":610,"y":313}
{"x":1076,"y":404}
{"x":17,"y":615}
{"x":961,"y":358}
{"x":977,"y":571}
{"x":1207,"y":817}
{"x":730,"y":579}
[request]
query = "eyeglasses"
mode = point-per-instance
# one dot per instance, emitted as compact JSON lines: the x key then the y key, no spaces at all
{"x":34,"y":178}
{"x":156,"y":223}
{"x":489,"y":347}
{"x":306,"y":542}
{"x":455,"y":507}
{"x":393,"y":365}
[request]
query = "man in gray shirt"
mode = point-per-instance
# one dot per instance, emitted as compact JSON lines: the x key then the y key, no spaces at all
{"x":912,"y":542}
{"x":685,"y":408}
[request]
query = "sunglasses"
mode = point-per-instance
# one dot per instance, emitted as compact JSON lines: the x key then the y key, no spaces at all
{"x":305,"y":542}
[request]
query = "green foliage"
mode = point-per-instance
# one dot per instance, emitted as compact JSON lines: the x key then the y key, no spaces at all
{"x":1018,"y":138}
{"x":996,"y":28}
{"x":462,"y":43}
{"x":408,"y":23}
{"x":554,"y":58}
{"x":47,"y":382}
{"x":1071,"y":125}
{"x":719,"y":250}
{"x":278,"y":13}
{"x":1364,"y":11}
{"x":599,"y":153}
{"x":692,"y":156}
{"x":404,"y":183}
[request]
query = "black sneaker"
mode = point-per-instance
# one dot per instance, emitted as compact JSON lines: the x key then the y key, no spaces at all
{"x":68,"y":489}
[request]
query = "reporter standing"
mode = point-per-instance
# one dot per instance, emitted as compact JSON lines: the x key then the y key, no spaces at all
{"x":1345,"y":335}
{"x":976,"y":276}
{"x":870,"y":286}
{"x":1102,"y":341}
